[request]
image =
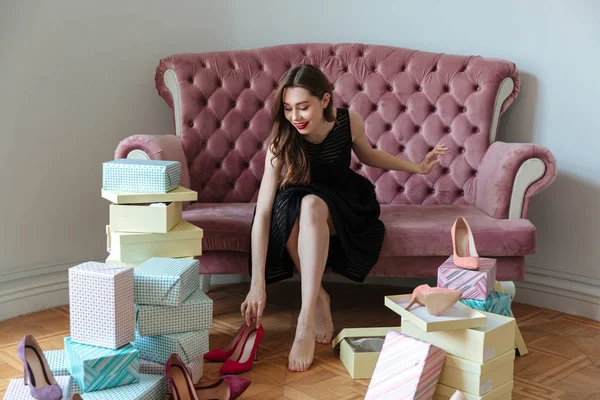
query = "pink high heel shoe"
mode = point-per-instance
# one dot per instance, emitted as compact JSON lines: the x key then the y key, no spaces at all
{"x":224,"y":353}
{"x":465,"y":254}
{"x":437,"y":300}
{"x":458,"y":396}
{"x":227,"y":387}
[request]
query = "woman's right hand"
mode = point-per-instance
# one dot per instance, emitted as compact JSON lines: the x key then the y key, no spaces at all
{"x":254,"y":305}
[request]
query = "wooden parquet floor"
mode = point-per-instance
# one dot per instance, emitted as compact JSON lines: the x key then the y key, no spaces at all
{"x":563,"y":360}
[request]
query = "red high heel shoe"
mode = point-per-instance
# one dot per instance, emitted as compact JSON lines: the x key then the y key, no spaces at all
{"x":465,"y":254}
{"x":437,"y":300}
{"x":180,"y":380}
{"x":245,"y":352}
{"x":224,"y":353}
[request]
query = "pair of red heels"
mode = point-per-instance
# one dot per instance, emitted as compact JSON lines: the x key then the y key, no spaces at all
{"x":227,"y":387}
{"x":240,"y":353}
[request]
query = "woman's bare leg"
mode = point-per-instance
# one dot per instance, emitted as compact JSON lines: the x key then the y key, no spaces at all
{"x":324,"y":322}
{"x":313,"y":245}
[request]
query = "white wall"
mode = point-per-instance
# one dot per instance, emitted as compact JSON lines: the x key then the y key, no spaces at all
{"x":77,"y":77}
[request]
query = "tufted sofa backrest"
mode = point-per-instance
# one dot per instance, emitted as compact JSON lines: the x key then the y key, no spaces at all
{"x":410,"y":101}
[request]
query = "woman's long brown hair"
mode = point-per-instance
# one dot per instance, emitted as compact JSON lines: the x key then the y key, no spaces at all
{"x":287,"y":144}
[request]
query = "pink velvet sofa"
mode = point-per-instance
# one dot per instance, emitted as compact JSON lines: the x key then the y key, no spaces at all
{"x":410,"y":100}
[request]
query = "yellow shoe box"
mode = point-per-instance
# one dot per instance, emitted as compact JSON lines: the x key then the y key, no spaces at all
{"x":179,"y":194}
{"x":475,"y":344}
{"x":478,"y":379}
{"x":184,"y":240}
{"x":147,"y":218}
{"x":360,"y":348}
{"x":131,"y":264}
{"x":504,"y":392}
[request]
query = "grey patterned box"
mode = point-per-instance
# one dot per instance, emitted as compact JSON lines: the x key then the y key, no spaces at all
{"x":101,"y":301}
{"x":141,"y":176}
{"x":193,"y":314}
{"x":166,"y":281}
{"x":187,"y":345}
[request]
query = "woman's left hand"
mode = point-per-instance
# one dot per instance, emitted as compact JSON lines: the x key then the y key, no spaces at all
{"x":431,"y":159}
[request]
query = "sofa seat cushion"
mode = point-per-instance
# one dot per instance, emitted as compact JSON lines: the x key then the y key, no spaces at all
{"x":424,"y":230}
{"x":411,"y":230}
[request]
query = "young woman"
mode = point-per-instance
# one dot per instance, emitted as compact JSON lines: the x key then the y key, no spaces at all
{"x":320,"y":213}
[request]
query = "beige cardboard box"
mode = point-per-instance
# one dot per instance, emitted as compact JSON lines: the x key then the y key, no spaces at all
{"x":149,"y":218}
{"x":458,"y":317}
{"x":504,"y":392}
{"x":179,"y":194}
{"x":360,"y":348}
{"x":184,"y":240}
{"x":478,"y":379}
{"x":475,"y":344}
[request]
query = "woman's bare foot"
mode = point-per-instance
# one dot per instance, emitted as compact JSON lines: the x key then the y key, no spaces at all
{"x":303,"y":349}
{"x":324,"y":322}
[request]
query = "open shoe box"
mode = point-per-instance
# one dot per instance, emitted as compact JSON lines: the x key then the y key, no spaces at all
{"x":459,"y":317}
{"x":360,"y":348}
{"x":148,"y":217}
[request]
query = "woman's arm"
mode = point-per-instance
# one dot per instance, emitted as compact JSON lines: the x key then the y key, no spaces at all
{"x":381,"y":159}
{"x":262,"y":218}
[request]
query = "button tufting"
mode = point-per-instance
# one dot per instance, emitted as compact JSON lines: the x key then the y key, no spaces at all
{"x":191,"y":80}
{"x":463,"y":109}
{"x":218,"y":124}
{"x":402,"y":108}
{"x":202,"y":185}
{"x":447,"y":129}
{"x":462,"y":150}
{"x":433,"y":109}
{"x":359,"y":165}
{"x":259,"y":146}
{"x":401,"y":188}
{"x":261,"y":104}
{"x":402,"y":68}
{"x":246,"y":165}
{"x":374,"y":68}
{"x":374,"y":107}
{"x":431,"y":191}
{"x":461,"y":192}
{"x":204,"y":102}
{"x":332,"y":53}
{"x":434,"y":69}
{"x":345,"y":105}
{"x":219,"y":83}
{"x":361,"y":54}
{"x":446,"y":170}
{"x":390,"y":88}
{"x":401,"y":148}
{"x":248,"y":85}
{"x":476,"y":88}
{"x":388,"y":127}
{"x":191,"y":123}
{"x":475,"y":130}
{"x":446,"y":88}
{"x":359,"y":87}
{"x":345,"y":68}
{"x":231,"y":185}
{"x":246,"y":125}
{"x":203,"y":145}
{"x":419,"y":89}
{"x":232,"y":145}
{"x":218,"y":165}
{"x":233,"y":104}
{"x":417,"y":129}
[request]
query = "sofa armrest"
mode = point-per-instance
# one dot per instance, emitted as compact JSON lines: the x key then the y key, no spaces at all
{"x":509,"y":175}
{"x":161,"y":147}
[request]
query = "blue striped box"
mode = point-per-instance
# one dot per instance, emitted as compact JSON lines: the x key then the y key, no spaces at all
{"x":141,"y":176}
{"x":193,"y":315}
{"x":97,"y":368}
{"x":187,"y":345}
{"x":496,"y":302}
{"x":166,"y":281}
{"x":150,"y":387}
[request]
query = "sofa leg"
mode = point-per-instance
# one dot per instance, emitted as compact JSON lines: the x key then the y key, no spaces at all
{"x":508,"y":287}
{"x":205,"y":282}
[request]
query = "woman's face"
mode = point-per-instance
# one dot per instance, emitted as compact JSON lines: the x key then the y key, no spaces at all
{"x":302,"y":109}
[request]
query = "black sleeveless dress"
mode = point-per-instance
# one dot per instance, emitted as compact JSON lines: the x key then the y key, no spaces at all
{"x":353,"y":206}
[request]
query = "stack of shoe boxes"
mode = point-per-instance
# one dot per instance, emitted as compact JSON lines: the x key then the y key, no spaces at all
{"x":479,"y":345}
{"x":173,"y":315}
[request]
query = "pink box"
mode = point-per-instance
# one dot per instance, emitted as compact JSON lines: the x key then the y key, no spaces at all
{"x":407,"y":368}
{"x":474,"y":284}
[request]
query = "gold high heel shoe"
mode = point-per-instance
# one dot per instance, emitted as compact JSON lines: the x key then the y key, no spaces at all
{"x":465,"y":254}
{"x":437,"y":300}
